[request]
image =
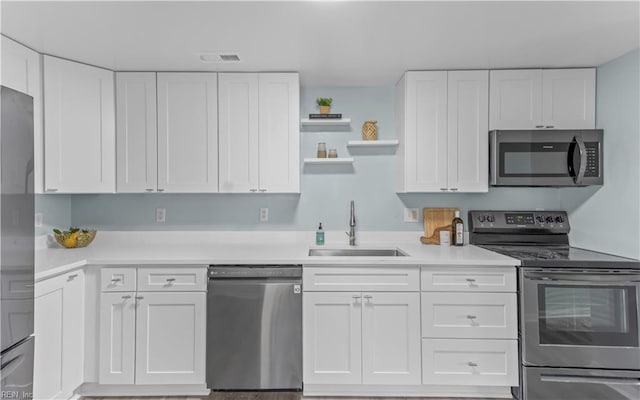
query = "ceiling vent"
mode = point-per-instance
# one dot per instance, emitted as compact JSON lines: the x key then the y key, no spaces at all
{"x":227,"y":57}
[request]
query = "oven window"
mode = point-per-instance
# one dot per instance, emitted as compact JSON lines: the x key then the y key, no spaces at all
{"x":588,"y":315}
{"x":533,"y":159}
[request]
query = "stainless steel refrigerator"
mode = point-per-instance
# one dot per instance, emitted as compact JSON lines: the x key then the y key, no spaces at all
{"x":16,"y":244}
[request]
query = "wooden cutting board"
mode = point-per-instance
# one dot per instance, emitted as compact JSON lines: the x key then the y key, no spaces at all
{"x":436,"y":220}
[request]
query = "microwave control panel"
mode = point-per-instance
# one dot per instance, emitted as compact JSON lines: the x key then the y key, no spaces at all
{"x":593,"y":159}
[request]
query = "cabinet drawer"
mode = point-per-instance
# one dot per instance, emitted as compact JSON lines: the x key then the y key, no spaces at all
{"x":469,"y":315}
{"x":172,"y":279}
{"x":17,"y":285}
{"x":371,"y":279}
{"x":118,"y":279}
{"x":489,"y":279}
{"x":470,"y":362}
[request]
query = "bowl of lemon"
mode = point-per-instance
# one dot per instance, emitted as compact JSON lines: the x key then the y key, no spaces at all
{"x":74,"y":237}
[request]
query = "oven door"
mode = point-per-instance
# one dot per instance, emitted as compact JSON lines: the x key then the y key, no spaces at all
{"x":584,"y":318}
{"x":546,"y":158}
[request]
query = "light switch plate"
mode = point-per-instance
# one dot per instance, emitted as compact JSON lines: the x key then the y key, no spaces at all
{"x":264,"y":214}
{"x":39,"y":219}
{"x":161,"y":214}
{"x":411,"y":214}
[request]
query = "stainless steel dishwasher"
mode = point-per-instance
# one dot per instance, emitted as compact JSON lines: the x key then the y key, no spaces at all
{"x":254,"y":327}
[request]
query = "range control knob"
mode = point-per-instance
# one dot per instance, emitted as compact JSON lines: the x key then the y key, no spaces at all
{"x":490,"y":218}
{"x":549,"y":219}
{"x":481,"y":218}
{"x":540,"y":219}
{"x":559,"y":219}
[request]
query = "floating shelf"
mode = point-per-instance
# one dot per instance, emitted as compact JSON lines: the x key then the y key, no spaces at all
{"x":325,"y":122}
{"x":329,"y":161}
{"x":372,"y":143}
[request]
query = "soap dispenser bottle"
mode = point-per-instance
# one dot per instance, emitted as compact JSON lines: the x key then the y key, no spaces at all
{"x":320,"y":235}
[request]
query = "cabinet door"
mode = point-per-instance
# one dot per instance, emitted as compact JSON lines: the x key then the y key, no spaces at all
{"x":468,"y":125}
{"x":73,"y":330}
{"x":391,"y":338}
{"x":238,"y":122}
{"x":515,"y":99}
{"x":279,"y":126}
{"x":48,"y":325}
{"x":136,"y":132}
{"x":170,"y":338}
{"x":425,"y":144}
{"x":117,"y":338}
{"x":569,"y":98}
{"x":331,"y":337}
{"x":22,"y":71}
{"x":79,"y":128}
{"x":187,"y":132}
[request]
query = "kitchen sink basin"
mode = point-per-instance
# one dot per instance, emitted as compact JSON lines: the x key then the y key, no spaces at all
{"x":357,"y":252}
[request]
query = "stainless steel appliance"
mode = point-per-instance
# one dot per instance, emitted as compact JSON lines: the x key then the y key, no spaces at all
{"x":254,"y":327}
{"x":579,"y":310}
{"x":546,"y":158}
{"x":16,"y":244}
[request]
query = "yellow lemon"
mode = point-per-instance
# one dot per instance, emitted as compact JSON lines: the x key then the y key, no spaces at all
{"x":72,"y":240}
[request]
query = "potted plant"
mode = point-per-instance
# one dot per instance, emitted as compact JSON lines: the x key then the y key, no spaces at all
{"x":325,"y":104}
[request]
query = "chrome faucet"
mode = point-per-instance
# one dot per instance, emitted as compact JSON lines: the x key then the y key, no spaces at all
{"x":352,"y":226}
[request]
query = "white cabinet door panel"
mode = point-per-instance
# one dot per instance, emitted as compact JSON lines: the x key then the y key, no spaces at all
{"x":469,"y":315}
{"x":391,"y":338}
{"x":426,"y":127}
{"x":515,"y":99}
{"x":48,"y":322}
{"x":79,"y":126}
{"x":136,"y":132}
{"x":73,"y":328}
{"x":187,"y":132}
{"x":470,"y":362}
{"x":468,"y":126}
{"x":238,"y":121}
{"x":117,"y":338}
{"x":569,"y":98}
{"x":170,"y":338}
{"x":279,"y":122}
{"x":332,"y":338}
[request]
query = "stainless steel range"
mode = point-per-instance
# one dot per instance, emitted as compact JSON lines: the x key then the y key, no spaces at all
{"x":579,"y":309}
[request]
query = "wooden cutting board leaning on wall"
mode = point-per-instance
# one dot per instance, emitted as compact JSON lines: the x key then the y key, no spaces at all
{"x":436,"y":220}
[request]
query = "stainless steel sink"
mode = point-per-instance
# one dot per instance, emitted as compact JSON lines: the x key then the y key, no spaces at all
{"x":357,"y":252}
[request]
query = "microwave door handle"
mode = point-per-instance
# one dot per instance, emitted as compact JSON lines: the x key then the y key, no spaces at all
{"x":582,"y":160}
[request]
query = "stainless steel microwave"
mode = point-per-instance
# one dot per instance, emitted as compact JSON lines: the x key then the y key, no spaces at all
{"x":546,"y":157}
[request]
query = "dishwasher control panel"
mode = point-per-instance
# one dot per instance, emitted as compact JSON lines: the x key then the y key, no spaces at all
{"x":254,"y":271}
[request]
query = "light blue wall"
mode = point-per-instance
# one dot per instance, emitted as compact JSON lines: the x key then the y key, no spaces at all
{"x":56,"y":210}
{"x":608,"y":219}
{"x":325,"y":192}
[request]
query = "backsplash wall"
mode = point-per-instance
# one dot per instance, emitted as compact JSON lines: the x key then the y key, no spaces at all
{"x":326,"y":192}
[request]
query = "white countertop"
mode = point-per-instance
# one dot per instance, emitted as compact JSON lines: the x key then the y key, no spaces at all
{"x":249,"y":247}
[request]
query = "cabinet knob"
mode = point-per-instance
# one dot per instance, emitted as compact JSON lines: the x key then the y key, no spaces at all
{"x":472,"y":364}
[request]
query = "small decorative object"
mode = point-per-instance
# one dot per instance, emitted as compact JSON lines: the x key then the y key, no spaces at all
{"x":322,"y":150}
{"x":325,"y":104}
{"x":333,"y":153}
{"x":445,"y":238}
{"x":370,"y":130}
{"x":74,"y":237}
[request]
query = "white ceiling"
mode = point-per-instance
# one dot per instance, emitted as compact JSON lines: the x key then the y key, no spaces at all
{"x":337,"y":43}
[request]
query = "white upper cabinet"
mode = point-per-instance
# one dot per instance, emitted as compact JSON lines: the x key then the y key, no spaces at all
{"x":468,"y":126}
{"x":79,"y":127}
{"x":187,"y":132}
{"x":136,"y":133}
{"x":569,"y":98}
{"x":22,"y":71}
{"x":542,"y":99}
{"x":259,"y":132}
{"x":441,"y":121}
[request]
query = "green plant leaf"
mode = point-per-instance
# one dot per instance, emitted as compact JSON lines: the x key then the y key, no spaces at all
{"x":57,"y":231}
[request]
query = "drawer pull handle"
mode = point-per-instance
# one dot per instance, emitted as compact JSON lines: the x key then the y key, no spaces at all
{"x":70,"y":277}
{"x":472,"y":364}
{"x":116,"y":280}
{"x":160,"y":190}
{"x":471,"y":281}
{"x":148,"y":190}
{"x":549,"y":126}
{"x":539,"y":126}
{"x":368,"y":297}
{"x":263,"y":190}
{"x":126,"y":297}
{"x":171,"y":280}
{"x":471,"y":317}
{"x":356,"y":299}
{"x":139,"y":297}
{"x":253,"y":190}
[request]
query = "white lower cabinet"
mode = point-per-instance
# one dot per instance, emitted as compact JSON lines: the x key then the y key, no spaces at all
{"x":360,"y":338}
{"x":154,"y":337}
{"x":59,"y":331}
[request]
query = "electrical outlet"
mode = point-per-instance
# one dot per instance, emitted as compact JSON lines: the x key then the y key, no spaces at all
{"x":39,"y":219}
{"x":411,"y":214}
{"x":264,"y":214}
{"x":161,"y":214}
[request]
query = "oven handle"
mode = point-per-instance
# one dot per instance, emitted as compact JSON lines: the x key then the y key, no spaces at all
{"x":590,"y":379}
{"x":618,"y":277}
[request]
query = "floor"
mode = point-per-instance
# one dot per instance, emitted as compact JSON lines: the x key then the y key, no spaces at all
{"x":267,"y":396}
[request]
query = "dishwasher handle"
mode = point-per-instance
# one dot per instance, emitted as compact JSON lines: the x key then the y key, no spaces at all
{"x":254,"y":271}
